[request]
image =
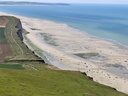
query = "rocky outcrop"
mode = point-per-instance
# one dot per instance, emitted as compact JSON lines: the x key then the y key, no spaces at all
{"x":20,"y":30}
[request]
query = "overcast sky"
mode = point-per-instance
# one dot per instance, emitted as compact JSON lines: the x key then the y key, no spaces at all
{"x":78,"y":1}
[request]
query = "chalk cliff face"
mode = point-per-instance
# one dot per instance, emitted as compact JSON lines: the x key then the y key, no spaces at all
{"x":20,"y":30}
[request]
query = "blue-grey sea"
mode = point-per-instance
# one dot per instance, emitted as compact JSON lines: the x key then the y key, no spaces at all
{"x":105,"y":21}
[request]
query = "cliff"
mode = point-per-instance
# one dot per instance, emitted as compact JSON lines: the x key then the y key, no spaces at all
{"x":20,"y":30}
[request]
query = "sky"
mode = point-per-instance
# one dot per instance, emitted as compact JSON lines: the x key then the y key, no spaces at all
{"x":78,"y":1}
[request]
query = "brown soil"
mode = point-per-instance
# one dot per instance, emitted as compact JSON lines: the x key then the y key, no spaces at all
{"x":3,"y":21}
{"x":5,"y":50}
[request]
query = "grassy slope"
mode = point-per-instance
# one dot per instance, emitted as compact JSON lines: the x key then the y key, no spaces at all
{"x":48,"y":82}
{"x":39,"y":80}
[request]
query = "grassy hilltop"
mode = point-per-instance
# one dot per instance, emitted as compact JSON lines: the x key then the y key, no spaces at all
{"x":22,"y":73}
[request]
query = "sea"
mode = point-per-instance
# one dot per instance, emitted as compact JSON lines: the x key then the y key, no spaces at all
{"x":106,"y":21}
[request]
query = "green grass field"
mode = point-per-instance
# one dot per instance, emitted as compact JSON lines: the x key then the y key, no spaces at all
{"x":2,"y":36}
{"x":20,"y":76}
{"x":12,"y":66}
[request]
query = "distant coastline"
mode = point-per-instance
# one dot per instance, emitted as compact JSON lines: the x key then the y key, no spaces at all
{"x":29,"y":3}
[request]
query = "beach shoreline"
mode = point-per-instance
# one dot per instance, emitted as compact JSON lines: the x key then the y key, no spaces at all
{"x":65,"y":42}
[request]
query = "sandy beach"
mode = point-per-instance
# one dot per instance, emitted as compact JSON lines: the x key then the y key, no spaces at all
{"x":109,"y":67}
